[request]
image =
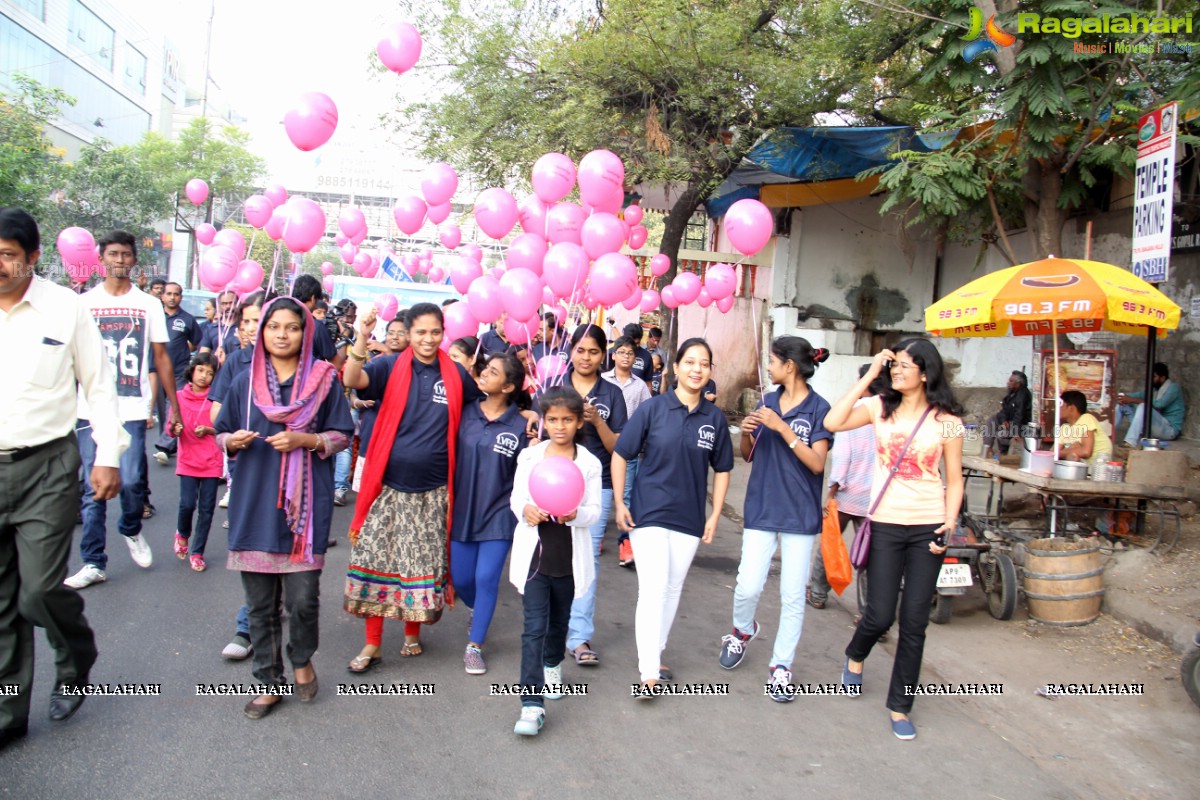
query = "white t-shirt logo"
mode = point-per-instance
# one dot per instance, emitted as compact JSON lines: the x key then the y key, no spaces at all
{"x":506,"y":444}
{"x":802,"y":428}
{"x":602,"y":409}
{"x":439,"y":393}
{"x":706,"y":437}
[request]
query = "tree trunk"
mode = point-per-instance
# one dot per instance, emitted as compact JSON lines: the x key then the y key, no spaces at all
{"x":672,"y":240}
{"x":1044,"y":218}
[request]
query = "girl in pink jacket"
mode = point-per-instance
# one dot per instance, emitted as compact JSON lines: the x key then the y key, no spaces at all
{"x":199,"y":463}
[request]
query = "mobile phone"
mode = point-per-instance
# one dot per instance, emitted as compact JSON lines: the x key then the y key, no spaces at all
{"x":940,"y":540}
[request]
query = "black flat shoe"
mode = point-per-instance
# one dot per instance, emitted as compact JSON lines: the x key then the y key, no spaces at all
{"x":255,"y":710}
{"x":63,"y":706}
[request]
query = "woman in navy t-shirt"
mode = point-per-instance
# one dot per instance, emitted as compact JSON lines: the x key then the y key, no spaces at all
{"x":680,"y":435}
{"x":786,"y":441}
{"x":604,"y":415}
{"x":490,"y":437}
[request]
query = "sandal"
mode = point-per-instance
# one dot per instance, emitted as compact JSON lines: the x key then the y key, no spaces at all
{"x":664,"y":673}
{"x":147,"y":511}
{"x":812,"y":601}
{"x":585,"y":656}
{"x":411,"y":649}
{"x":361,"y":664}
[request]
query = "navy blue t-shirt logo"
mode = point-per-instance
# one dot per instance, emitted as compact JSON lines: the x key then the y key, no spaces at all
{"x":506,"y":444}
{"x":706,"y":437}
{"x":439,"y":393}
{"x":802,"y":428}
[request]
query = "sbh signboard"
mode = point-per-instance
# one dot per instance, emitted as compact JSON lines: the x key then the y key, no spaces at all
{"x":1153,"y":194}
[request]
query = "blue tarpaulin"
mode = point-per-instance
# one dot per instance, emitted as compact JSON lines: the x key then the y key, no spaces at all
{"x":806,"y":155}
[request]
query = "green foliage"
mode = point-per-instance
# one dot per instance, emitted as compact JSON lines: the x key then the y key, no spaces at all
{"x":217,"y":155}
{"x":110,"y":187}
{"x":30,"y":165}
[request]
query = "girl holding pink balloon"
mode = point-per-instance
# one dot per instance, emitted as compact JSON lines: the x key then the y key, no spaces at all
{"x":490,"y":438}
{"x":556,"y":497}
{"x":680,"y":436}
{"x":604,"y":415}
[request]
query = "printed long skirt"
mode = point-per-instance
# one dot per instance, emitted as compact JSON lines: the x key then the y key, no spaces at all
{"x":400,"y":566}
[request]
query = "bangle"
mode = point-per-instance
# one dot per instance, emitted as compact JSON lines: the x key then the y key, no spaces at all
{"x":359,"y":358}
{"x":316,"y":443}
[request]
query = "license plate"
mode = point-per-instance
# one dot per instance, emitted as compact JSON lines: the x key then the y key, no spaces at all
{"x":954,"y":575}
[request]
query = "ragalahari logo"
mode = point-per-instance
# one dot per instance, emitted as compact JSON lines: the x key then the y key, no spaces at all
{"x":995,"y":36}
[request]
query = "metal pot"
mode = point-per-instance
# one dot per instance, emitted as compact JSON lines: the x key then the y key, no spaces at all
{"x":1150,"y":444}
{"x":1070,"y":470}
{"x":1028,"y":445}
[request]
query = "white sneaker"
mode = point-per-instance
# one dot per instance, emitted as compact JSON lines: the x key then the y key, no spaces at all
{"x":162,"y":457}
{"x":139,"y":550}
{"x":552,"y":676}
{"x":86,"y":577}
{"x":531,"y":721}
{"x":224,"y":500}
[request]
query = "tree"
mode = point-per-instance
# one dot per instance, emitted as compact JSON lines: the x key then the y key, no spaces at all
{"x":218,"y":156}
{"x":30,"y":165}
{"x":1046,"y":126}
{"x":110,"y":187}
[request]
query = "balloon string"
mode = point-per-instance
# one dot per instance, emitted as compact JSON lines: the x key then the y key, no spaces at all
{"x":757,"y":347}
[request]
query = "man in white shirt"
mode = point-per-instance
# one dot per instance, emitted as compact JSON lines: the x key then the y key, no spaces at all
{"x":48,"y":344}
{"x":134,"y":329}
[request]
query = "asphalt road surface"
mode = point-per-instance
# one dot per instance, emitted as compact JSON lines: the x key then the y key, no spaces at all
{"x":167,"y":625}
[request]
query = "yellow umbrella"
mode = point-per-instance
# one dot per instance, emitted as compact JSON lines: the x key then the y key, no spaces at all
{"x":1053,"y":295}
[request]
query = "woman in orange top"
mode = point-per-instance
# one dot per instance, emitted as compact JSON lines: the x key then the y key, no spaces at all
{"x":915,"y":513}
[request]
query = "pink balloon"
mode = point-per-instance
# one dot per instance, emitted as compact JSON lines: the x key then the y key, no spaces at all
{"x":249,"y":276}
{"x":548,"y":296}
{"x":358,"y":238}
{"x":460,"y":321}
{"x":527,"y":251}
{"x":725,"y":303}
{"x":386,"y":305}
{"x":560,"y":313}
{"x":720,"y":280}
{"x":450,"y":236}
{"x":565,"y":268}
{"x":634,"y":214}
{"x":438,"y":213}
{"x":462,"y":272}
{"x":327,"y":284}
{"x":372,"y":271}
{"x":497,"y":271}
{"x":472,"y":251}
{"x":531,"y":214}
{"x":274,"y":226}
{"x":601,"y":175}
{"x":521,"y":293}
{"x":601,"y":233}
{"x":409,"y":213}
{"x":704,"y":299}
{"x":351,"y":221}
{"x":312,"y":121}
{"x":205,"y":233}
{"x":257,"y":210}
{"x":637,"y":237}
{"x":276,"y":194}
{"x":361,"y":263}
{"x":613,"y":278}
{"x":304,"y":224}
{"x":668,"y":297}
{"x":687,"y":287}
{"x":234,"y":240}
{"x":483,"y":298}
{"x":439,"y":183}
{"x":660,"y":265}
{"x":77,"y":248}
{"x":196,"y":191}
{"x":348,"y":252}
{"x":437,"y":274}
{"x":556,"y":486}
{"x":400,"y":48}
{"x":553,"y":177}
{"x":590,"y":303}
{"x":218,"y":267}
{"x":518,"y":332}
{"x":550,"y":370}
{"x":340,"y":239}
{"x":650,"y":301}
{"x":496,"y":212}
{"x":563,"y":223}
{"x":634,"y":300}
{"x":610,"y":204}
{"x":749,"y":225}
{"x":326,"y":268}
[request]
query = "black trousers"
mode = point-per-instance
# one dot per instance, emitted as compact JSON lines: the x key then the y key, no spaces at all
{"x":898,"y":552}
{"x":38,"y":499}
{"x":543,"y":644}
{"x":266,"y":594}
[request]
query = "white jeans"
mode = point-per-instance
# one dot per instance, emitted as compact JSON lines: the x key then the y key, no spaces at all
{"x":663,"y":557}
{"x":758,"y":548}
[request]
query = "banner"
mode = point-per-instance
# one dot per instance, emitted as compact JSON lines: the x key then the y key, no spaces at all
{"x":1154,"y":194}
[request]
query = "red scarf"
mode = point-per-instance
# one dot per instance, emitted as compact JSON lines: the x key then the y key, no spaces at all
{"x":383,"y":436}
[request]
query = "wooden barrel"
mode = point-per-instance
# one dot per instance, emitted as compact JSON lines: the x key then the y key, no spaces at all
{"x":1064,"y":581}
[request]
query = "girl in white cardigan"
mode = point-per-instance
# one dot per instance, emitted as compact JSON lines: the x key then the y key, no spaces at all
{"x":551,"y":560}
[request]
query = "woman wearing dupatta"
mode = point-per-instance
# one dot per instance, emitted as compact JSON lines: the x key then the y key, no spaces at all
{"x":399,"y":561}
{"x":283,"y":419}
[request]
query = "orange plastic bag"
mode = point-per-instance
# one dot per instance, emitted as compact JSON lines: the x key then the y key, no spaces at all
{"x":833,"y":550}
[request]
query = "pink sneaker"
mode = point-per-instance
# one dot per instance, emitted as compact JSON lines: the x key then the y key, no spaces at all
{"x":198,"y":563}
{"x":181,"y":546}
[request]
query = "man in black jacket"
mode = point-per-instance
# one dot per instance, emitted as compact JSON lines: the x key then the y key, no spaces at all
{"x":1016,"y":412}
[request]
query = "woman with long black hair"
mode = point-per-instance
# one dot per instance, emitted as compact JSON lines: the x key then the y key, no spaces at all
{"x":917,"y":424}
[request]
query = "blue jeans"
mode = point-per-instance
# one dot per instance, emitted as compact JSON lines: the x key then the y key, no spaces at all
{"x":547,"y":605}
{"x":758,"y":548}
{"x":583,"y":610}
{"x":1159,"y":427}
{"x":476,"y":569}
{"x":342,"y":462}
{"x":193,"y":493}
{"x":133,"y":492}
{"x":243,"y":621}
{"x":631,"y":471}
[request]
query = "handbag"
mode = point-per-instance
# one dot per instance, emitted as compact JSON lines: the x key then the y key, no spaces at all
{"x":860,"y":548}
